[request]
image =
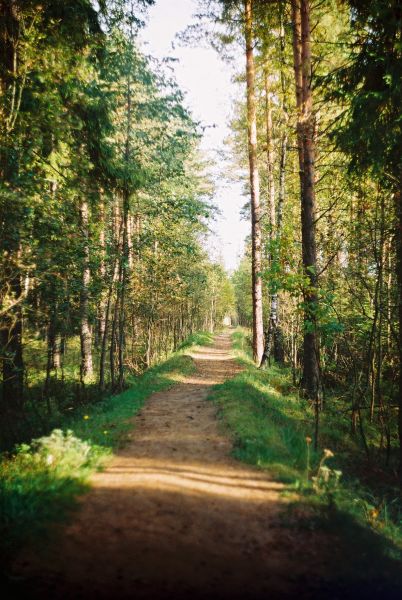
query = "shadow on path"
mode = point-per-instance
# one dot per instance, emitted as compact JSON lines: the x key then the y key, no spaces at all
{"x":174,"y":516}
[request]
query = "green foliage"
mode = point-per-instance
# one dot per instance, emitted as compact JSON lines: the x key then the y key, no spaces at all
{"x":103,"y":204}
{"x":267,"y":432}
{"x":202,"y":338}
{"x":40,"y":481}
{"x":39,"y":484}
{"x":370,"y":83}
{"x":241,"y":280}
{"x":60,"y":450}
{"x":272,"y":428}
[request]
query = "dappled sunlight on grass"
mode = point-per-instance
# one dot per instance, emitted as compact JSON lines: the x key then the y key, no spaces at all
{"x":173,"y":504}
{"x":202,"y":338}
{"x":267,"y":433}
{"x":270,"y":425}
{"x":37,"y":490}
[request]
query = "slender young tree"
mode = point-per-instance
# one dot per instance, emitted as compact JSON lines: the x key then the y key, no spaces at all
{"x":273,"y":337}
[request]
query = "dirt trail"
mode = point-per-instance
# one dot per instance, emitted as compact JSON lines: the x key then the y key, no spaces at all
{"x":174,"y":516}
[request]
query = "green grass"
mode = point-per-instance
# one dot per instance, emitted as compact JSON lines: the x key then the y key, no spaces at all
{"x":47,"y":409}
{"x":40,"y":481}
{"x":266,"y":432}
{"x":202,"y":338}
{"x":106,"y":423}
{"x":269,"y":424}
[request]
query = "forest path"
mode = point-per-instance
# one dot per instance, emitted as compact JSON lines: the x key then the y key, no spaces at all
{"x":175,"y":516}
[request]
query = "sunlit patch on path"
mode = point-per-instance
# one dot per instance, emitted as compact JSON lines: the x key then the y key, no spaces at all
{"x":188,"y":479}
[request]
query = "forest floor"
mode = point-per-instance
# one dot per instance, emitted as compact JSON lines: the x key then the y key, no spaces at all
{"x":173,"y":515}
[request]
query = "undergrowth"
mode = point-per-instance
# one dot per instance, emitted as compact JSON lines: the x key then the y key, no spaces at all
{"x":201,"y":338}
{"x":273,"y":428}
{"x":50,"y":405}
{"x":40,"y":481}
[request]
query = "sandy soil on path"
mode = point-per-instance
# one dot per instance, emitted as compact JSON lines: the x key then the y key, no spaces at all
{"x":174,"y":516}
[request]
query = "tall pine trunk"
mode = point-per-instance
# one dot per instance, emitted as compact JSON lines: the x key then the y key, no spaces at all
{"x":85,"y":329}
{"x":258,"y":326}
{"x":270,"y":158}
{"x":102,"y":268}
{"x":272,"y":296}
{"x":398,"y":239}
{"x":279,"y":353}
{"x":123,"y":276}
{"x":311,"y":383}
{"x":273,"y":338}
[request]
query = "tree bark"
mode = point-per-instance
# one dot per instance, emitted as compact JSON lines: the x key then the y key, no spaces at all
{"x":273,"y":338}
{"x":113,"y":277}
{"x":125,"y":257}
{"x":85,"y":329}
{"x":311,"y":381}
{"x":270,"y":157}
{"x":54,"y":339}
{"x":279,"y":354}
{"x":398,"y":240}
{"x":102,"y":268}
{"x":122,"y":290}
{"x":11,"y":350}
{"x":258,"y":326}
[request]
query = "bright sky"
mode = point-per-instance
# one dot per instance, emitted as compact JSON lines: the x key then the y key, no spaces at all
{"x":206,"y":81}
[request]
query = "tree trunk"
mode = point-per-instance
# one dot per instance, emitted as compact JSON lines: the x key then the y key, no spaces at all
{"x":270,"y":158}
{"x":114,"y":270}
{"x":279,"y":353}
{"x":273,"y":338}
{"x":112,"y":349}
{"x":311,"y":381}
{"x":11,"y":351}
{"x":148,"y":351}
{"x":398,"y":239}
{"x":102,"y":269}
{"x":85,"y":329}
{"x":122,"y":290}
{"x":54,"y":340}
{"x":273,"y":297}
{"x":258,"y":327}
{"x":125,"y":256}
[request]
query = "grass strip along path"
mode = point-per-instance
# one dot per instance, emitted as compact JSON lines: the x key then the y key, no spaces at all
{"x":39,"y":484}
{"x":273,"y":428}
{"x":175,"y":515}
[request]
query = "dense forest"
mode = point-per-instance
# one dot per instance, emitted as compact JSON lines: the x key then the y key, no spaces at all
{"x":104,"y":209}
{"x":105,"y":201}
{"x":110,"y":294}
{"x":320,"y":130}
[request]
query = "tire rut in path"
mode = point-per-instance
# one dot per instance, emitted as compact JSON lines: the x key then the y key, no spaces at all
{"x":174,"y":515}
